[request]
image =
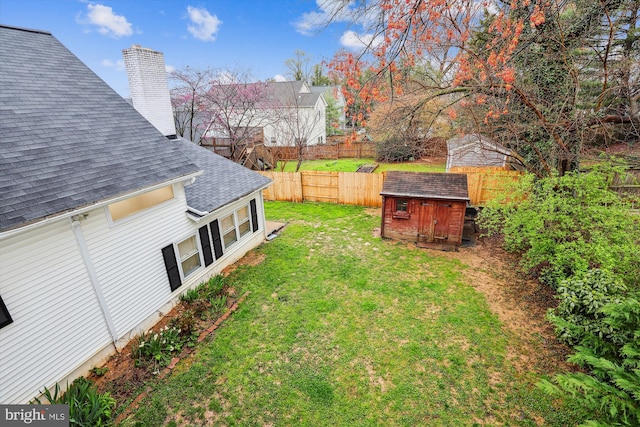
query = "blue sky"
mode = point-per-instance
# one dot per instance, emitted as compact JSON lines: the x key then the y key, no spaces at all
{"x":254,"y":35}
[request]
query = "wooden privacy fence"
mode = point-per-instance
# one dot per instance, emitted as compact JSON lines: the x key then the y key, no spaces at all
{"x":326,"y":151}
{"x":354,"y":188}
{"x":349,"y":188}
{"x":485,"y":183}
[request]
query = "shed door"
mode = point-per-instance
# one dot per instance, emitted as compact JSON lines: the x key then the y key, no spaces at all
{"x":434,"y":222}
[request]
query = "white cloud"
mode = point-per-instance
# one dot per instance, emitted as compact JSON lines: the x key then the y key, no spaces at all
{"x":279,"y":78}
{"x":354,"y":41}
{"x":117,"y":65}
{"x":169,"y":68}
{"x":331,"y":11}
{"x":204,"y":25}
{"x":108,"y":23}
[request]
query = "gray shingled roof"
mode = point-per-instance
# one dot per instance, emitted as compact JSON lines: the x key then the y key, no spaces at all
{"x":67,"y":140}
{"x":284,"y":94}
{"x":451,"y":186}
{"x":222,"y":180}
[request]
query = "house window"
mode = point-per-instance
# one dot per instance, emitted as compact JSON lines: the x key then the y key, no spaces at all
{"x":244,"y":224}
{"x":229,"y":230}
{"x":132,"y":205}
{"x":189,"y":255}
{"x":401,"y":209}
{"x":5,"y":317}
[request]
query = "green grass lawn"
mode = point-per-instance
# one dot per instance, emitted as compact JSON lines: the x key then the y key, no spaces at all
{"x":351,"y":165}
{"x":345,"y":329}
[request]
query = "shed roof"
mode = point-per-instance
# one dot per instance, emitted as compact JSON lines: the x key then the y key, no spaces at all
{"x":67,"y":140}
{"x":222,"y":180}
{"x":447,"y":186}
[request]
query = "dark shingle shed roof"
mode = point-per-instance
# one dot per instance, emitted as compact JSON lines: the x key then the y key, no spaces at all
{"x":222,"y":180}
{"x":67,"y":140}
{"x":449,"y":186}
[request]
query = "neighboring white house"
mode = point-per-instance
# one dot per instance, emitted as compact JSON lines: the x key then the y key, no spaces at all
{"x":104,"y":221}
{"x":333,"y":94}
{"x":287,"y":112}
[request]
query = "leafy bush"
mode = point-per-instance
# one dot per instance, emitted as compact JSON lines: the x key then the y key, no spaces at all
{"x":87,"y":407}
{"x":611,"y":389}
{"x":581,"y":299}
{"x":568,"y":225}
{"x":218,"y":303}
{"x":399,"y":149}
{"x":190,"y":296}
{"x":158,"y":347}
{"x":185,"y":323}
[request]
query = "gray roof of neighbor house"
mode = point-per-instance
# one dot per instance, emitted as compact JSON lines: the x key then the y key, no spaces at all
{"x":222,"y":180}
{"x":450,"y":186}
{"x":332,"y":91}
{"x":290,"y":94}
{"x":67,"y":140}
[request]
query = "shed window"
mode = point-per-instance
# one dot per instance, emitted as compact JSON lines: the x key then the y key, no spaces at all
{"x":401,"y":209}
{"x":189,"y":255}
{"x":5,"y":317}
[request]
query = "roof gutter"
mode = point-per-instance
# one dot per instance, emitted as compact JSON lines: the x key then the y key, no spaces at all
{"x":80,"y":211}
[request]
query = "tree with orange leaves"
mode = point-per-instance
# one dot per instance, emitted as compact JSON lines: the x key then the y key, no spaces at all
{"x":517,"y":70}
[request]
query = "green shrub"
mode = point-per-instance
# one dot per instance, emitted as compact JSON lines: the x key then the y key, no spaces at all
{"x":567,"y":225}
{"x":218,"y":303}
{"x":87,"y":407}
{"x":215,"y":286}
{"x":158,"y":347}
{"x":581,"y":299}
{"x":610,"y":391}
{"x":190,"y":296}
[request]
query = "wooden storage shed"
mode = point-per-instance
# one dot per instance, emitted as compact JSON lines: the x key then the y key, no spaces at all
{"x":426,"y":208}
{"x":476,"y":151}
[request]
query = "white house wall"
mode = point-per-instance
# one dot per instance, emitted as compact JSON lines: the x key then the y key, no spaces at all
{"x":128,"y":260}
{"x":58,"y":325}
{"x":57,"y":322}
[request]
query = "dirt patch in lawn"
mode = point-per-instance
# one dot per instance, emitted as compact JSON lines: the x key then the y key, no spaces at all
{"x":520,"y":304}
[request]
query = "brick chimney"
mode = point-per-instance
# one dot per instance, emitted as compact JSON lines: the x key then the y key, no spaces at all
{"x":148,"y":87}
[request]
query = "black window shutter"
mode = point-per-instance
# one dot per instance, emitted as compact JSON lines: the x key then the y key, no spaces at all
{"x":171,"y":265}
{"x":215,"y":234}
{"x":254,"y":215}
{"x":5,"y":317}
{"x":206,"y":245}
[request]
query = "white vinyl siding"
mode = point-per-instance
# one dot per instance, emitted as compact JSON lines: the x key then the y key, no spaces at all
{"x":128,"y":259}
{"x":57,"y":323}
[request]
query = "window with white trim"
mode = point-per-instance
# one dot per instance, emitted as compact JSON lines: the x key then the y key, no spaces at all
{"x":244,"y":222}
{"x":228,"y":229}
{"x":189,"y":255}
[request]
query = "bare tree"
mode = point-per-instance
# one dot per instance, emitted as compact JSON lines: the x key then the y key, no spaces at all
{"x":295,"y":123}
{"x":236,"y":108}
{"x":189,"y":104}
{"x":298,"y":66}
